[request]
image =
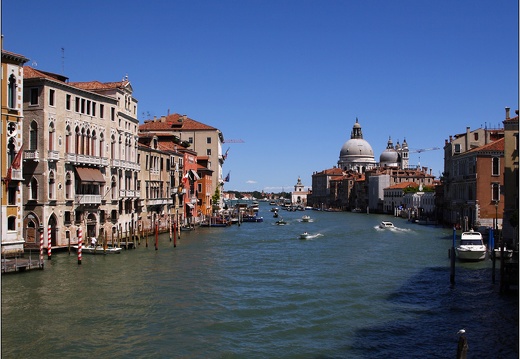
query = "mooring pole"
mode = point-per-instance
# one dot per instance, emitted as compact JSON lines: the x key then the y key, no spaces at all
{"x":452,"y":257}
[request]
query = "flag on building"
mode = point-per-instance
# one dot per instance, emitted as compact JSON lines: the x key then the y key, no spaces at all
{"x":225,"y":154}
{"x":15,"y":165}
{"x":227,"y":177}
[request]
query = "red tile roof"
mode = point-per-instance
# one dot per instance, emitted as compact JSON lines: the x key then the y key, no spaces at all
{"x":97,"y":85}
{"x":31,"y":73}
{"x":403,"y":185}
{"x":497,"y":145}
{"x":174,"y":122}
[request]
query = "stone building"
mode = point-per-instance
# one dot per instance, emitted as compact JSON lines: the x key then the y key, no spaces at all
{"x":11,"y":144}
{"x":473,"y":177}
{"x":511,"y":183}
{"x":299,"y":195}
{"x":81,"y":167}
{"x":205,"y":140}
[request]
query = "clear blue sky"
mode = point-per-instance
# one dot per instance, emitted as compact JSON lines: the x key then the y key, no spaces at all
{"x":289,"y":77}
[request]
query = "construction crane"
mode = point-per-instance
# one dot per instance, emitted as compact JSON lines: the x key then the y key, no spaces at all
{"x":234,"y":141}
{"x":419,"y":150}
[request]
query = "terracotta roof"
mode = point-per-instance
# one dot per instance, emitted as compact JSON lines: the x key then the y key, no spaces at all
{"x":97,"y":85}
{"x":14,"y":57}
{"x":403,"y":185}
{"x":31,"y":73}
{"x":497,"y":145}
{"x":174,"y":122}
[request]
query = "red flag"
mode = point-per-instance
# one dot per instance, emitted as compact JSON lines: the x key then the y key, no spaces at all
{"x":16,"y":165}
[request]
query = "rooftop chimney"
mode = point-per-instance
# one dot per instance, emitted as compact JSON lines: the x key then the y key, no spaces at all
{"x":507,"y":113}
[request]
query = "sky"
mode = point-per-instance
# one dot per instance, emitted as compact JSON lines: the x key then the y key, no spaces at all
{"x":289,"y":77}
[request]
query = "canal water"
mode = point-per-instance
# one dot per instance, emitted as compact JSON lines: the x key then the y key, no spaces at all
{"x":256,"y":290}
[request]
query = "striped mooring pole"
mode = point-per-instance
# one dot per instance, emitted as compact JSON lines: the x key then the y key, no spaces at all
{"x":49,"y":243}
{"x":80,"y":244}
{"x":41,"y":249}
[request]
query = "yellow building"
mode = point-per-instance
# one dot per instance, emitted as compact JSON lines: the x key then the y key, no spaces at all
{"x":11,"y":152}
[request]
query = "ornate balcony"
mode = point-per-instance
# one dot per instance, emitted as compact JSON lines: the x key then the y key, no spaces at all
{"x":33,"y":155}
{"x":88,"y":198}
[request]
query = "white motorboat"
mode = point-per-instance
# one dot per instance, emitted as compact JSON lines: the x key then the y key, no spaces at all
{"x":306,"y":218}
{"x":386,"y":224}
{"x":471,"y":247}
{"x":98,"y":249}
{"x":281,"y":222}
{"x":305,"y":235}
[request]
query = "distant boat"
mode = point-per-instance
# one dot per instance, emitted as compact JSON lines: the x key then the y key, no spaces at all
{"x":249,"y":218}
{"x":306,"y":218}
{"x":281,"y":222}
{"x":305,"y":235}
{"x":386,"y":225}
{"x":508,"y":253}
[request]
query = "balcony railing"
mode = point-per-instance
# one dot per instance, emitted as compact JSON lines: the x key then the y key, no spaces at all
{"x":86,"y":159}
{"x":31,"y":155}
{"x":53,"y":155}
{"x":128,"y":193}
{"x":125,"y":164}
{"x":88,"y":198}
{"x":16,"y":174}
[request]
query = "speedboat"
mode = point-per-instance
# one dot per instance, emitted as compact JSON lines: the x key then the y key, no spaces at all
{"x":386,"y":224}
{"x":471,"y":247}
{"x":281,"y":222}
{"x":306,"y":218}
{"x":305,"y":235}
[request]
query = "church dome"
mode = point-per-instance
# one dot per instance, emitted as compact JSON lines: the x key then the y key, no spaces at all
{"x":356,"y":153}
{"x":389,"y":157}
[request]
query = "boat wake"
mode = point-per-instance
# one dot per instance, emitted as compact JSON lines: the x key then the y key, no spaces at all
{"x":312,"y":236}
{"x":393,"y":229}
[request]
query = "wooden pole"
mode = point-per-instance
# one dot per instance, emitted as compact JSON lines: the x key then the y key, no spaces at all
{"x":156,"y":236}
{"x":452,"y":257}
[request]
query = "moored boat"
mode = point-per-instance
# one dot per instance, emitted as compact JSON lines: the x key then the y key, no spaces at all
{"x":471,"y":247}
{"x":98,"y":249}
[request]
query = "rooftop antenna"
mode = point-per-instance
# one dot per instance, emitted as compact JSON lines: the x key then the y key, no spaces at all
{"x":62,"y":60}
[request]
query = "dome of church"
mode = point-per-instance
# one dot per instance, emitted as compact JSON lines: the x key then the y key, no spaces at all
{"x":355,"y":148}
{"x":356,"y":153}
{"x":389,"y":157}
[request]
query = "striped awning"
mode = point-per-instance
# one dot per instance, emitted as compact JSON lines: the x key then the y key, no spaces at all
{"x":89,"y":174}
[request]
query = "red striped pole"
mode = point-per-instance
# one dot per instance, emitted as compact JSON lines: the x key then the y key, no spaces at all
{"x":156,"y":236}
{"x":41,"y":248}
{"x":174,"y":234}
{"x":49,"y":243}
{"x":80,"y":244}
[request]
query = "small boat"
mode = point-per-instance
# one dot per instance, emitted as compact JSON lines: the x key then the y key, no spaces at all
{"x":306,"y":218}
{"x":281,"y":222}
{"x":98,"y":249}
{"x":249,"y":218}
{"x":305,"y":235}
{"x":471,"y":247}
{"x":275,"y":215}
{"x":187,"y":228}
{"x":508,"y":253}
{"x":386,"y":224}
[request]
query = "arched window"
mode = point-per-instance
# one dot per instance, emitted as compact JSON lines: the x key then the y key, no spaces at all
{"x":33,"y":136}
{"x":113,"y":147}
{"x":68,"y":186}
{"x":114,"y":188}
{"x":52,"y":185}
{"x":68,"y":140}
{"x":33,"y":189}
{"x":78,"y":140}
{"x":52,"y":133}
{"x":11,"y":223}
{"x":93,"y":147}
{"x":101,"y":144}
{"x":11,"y":92}
{"x":11,"y":151}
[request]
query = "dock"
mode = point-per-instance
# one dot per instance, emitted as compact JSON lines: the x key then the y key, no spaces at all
{"x":12,"y":265}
